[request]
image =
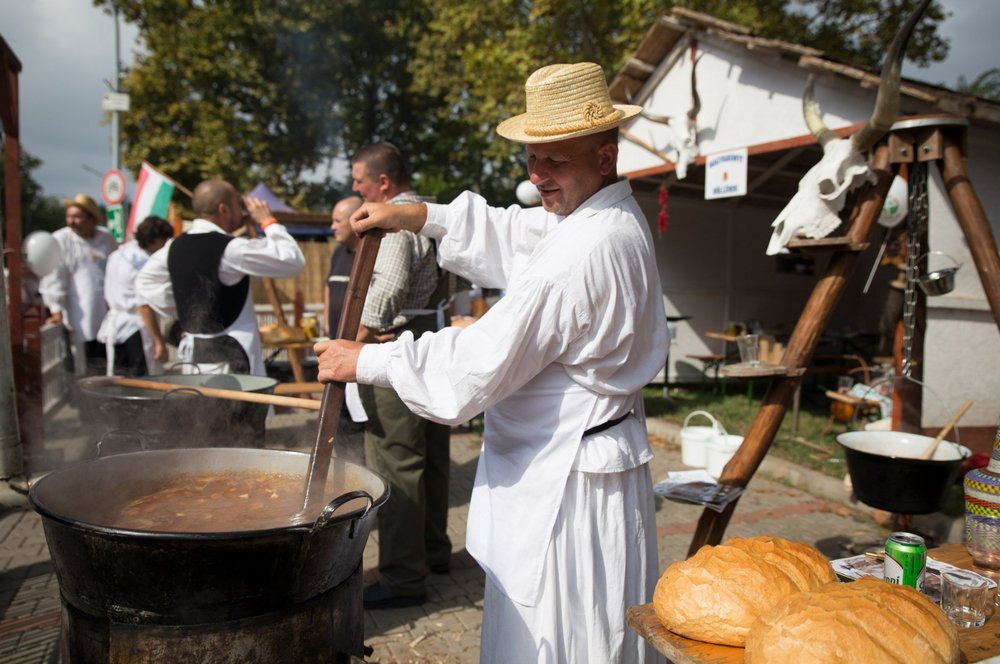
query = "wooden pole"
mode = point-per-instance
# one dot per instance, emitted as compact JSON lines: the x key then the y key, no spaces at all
{"x":214,"y":392}
{"x":333,"y":393}
{"x":973,"y":221}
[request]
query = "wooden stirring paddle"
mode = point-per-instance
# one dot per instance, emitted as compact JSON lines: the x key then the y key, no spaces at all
{"x":333,"y":393}
{"x":929,"y":452}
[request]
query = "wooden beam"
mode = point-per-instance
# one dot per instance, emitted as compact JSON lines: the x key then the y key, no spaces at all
{"x":973,"y":221}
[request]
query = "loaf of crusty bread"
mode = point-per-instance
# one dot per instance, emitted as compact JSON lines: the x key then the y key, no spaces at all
{"x":865,"y":621}
{"x":716,"y":594}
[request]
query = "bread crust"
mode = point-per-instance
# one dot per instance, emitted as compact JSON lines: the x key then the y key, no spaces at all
{"x":718,"y":593}
{"x":867,"y":620}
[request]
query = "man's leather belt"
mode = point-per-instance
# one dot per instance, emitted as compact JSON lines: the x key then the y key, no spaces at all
{"x":606,"y":425}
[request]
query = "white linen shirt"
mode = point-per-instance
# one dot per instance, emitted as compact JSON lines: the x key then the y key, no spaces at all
{"x":122,"y":319}
{"x":275,"y":255}
{"x":76,"y":286}
{"x":579,"y":332}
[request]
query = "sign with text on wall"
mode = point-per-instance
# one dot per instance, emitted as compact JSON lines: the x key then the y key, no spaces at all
{"x":726,"y":174}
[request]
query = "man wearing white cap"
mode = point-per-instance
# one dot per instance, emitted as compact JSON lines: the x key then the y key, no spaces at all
{"x":74,"y":291}
{"x":562,"y":514}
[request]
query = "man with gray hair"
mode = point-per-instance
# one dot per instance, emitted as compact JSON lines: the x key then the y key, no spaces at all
{"x":562,"y":517}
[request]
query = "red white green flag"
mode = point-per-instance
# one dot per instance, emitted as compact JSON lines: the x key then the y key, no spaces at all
{"x":152,"y":197}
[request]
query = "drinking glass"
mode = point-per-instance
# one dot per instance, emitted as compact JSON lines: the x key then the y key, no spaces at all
{"x":967,"y":598}
{"x":749,"y":345}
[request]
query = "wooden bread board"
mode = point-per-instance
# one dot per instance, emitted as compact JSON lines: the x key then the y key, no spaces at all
{"x":678,"y":649}
{"x":977,"y":644}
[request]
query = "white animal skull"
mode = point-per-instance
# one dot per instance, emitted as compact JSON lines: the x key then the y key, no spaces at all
{"x":814,"y":211}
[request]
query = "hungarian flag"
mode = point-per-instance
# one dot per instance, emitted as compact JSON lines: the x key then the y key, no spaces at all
{"x":152,"y":197}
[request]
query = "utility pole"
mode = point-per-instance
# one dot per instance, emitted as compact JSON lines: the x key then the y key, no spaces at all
{"x":115,"y":115}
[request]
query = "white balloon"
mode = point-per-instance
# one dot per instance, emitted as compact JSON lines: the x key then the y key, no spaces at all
{"x":40,"y":252}
{"x":896,"y":204}
{"x":528,"y":194}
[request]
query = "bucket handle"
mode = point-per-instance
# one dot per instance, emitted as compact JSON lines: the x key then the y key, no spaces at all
{"x":956,"y":265}
{"x":716,"y":424}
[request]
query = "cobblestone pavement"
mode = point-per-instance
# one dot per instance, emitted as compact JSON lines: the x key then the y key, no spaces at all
{"x":446,"y":627}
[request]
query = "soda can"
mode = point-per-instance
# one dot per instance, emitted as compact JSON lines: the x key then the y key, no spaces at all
{"x":905,"y":559}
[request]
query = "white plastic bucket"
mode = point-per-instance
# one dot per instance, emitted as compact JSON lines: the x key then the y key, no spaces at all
{"x":719,"y":451}
{"x":695,"y":439}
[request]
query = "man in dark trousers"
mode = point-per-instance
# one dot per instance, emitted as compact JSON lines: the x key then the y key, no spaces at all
{"x":202,"y":278}
{"x":412,"y":453}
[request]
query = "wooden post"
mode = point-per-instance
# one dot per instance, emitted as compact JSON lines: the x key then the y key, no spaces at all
{"x":973,"y":221}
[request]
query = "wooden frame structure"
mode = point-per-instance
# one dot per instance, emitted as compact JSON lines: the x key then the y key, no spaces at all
{"x":939,"y":139}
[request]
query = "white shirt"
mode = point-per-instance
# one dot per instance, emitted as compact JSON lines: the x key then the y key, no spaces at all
{"x":275,"y":255}
{"x":579,"y":332}
{"x":76,"y":286}
{"x":122,"y":319}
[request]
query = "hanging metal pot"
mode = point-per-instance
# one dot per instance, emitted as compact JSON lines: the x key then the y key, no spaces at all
{"x":940,"y":281}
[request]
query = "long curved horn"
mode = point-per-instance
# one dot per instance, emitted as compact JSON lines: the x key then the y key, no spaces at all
{"x":810,"y":111}
{"x":887,"y":99}
{"x":695,"y":99}
{"x":652,"y":117}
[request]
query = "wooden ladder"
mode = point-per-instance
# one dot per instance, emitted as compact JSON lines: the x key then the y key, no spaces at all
{"x":939,"y":139}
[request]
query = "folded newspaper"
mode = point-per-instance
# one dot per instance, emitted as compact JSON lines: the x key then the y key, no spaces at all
{"x":856,"y":567}
{"x":697,"y":487}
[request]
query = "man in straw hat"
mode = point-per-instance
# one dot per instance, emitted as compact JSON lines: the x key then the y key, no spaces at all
{"x":74,"y":291}
{"x":561,"y":516}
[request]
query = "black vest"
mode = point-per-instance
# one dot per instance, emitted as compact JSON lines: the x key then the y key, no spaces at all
{"x":204,"y":304}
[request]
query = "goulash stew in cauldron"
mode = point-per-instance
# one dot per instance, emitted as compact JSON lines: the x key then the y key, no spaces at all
{"x":215,"y":502}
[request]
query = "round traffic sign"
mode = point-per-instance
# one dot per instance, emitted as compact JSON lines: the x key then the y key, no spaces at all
{"x":113,"y":187}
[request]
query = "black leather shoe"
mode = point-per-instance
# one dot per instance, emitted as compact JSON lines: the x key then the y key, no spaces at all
{"x":440,"y":568}
{"x":377,"y":596}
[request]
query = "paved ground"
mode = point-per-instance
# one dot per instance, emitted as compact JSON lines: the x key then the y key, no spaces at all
{"x":446,"y":628}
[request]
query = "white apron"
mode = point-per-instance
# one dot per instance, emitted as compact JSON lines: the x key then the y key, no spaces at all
{"x":532,"y":438}
{"x":244,"y":331}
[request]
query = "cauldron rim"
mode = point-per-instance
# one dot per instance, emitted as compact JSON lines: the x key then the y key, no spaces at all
{"x":153,"y":535}
{"x":845,"y":440}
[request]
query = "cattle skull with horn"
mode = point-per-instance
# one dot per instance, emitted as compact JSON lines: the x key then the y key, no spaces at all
{"x":683,"y":147}
{"x":814,"y":211}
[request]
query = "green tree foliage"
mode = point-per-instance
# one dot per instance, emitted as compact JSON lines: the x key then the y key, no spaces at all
{"x":986,"y":85}
{"x":275,"y":90}
{"x":38,"y":212}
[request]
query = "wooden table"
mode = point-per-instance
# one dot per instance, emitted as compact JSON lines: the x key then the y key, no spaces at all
{"x":977,"y":644}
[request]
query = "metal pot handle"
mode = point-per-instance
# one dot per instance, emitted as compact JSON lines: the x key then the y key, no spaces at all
{"x":130,"y":435}
{"x":172,"y":370}
{"x":182,"y":390}
{"x":331,"y":507}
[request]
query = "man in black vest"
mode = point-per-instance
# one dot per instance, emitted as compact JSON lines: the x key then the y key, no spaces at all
{"x":202,"y":278}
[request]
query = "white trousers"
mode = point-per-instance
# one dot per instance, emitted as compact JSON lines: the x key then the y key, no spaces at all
{"x":602,"y":559}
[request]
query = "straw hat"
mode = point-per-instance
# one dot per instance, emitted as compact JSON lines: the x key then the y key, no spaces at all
{"x":566,"y":101}
{"x":86,"y":203}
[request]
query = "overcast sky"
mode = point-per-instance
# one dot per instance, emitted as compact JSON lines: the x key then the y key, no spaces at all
{"x":66,"y":49}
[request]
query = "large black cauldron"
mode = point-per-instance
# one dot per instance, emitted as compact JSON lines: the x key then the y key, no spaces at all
{"x":161,"y":578}
{"x":181,"y":418}
{"x":886,"y":472}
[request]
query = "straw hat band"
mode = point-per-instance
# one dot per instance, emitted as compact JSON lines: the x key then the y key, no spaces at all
{"x":591,"y":116}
